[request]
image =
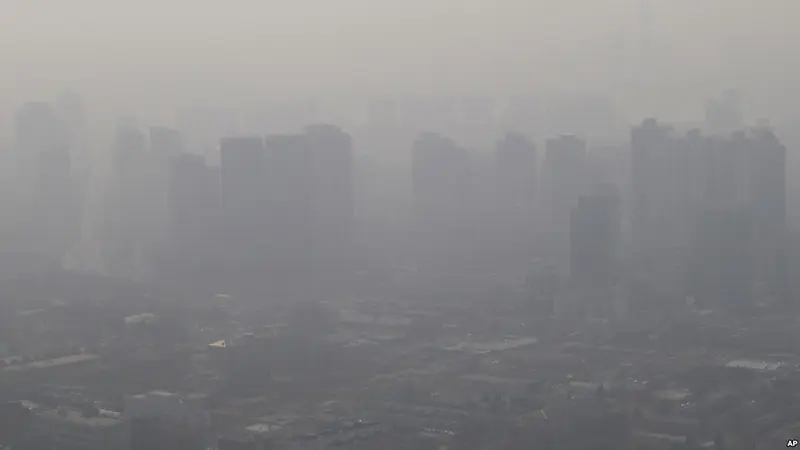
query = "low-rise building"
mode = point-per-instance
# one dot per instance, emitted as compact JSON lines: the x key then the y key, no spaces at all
{"x":73,"y":429}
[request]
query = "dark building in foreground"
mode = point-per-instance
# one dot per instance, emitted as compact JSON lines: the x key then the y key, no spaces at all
{"x":722,"y":272}
{"x":594,"y":237}
{"x":769,"y":212}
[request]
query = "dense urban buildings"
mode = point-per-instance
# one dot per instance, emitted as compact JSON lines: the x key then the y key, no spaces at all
{"x":637,"y":288}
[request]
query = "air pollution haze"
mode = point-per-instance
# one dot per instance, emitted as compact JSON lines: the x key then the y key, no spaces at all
{"x":399,"y":225}
{"x":146,"y":52}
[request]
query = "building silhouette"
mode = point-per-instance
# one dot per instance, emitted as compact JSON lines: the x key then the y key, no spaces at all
{"x":564,"y":181}
{"x":333,"y":196}
{"x":56,"y":222}
{"x":722,"y":269}
{"x":194,"y":215}
{"x":442,"y":197}
{"x":594,"y":239}
{"x":514,"y":204}
{"x":291,"y":218}
{"x":243,"y":191}
{"x":131,"y":236}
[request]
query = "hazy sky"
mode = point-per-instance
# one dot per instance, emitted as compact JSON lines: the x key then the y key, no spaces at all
{"x":183,"y":50}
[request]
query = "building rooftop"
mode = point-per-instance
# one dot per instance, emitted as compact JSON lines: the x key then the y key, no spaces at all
{"x":80,"y":418}
{"x":487,"y":347}
{"x":754,"y":365}
{"x":55,"y":362}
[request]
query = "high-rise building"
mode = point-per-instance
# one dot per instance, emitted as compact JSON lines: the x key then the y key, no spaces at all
{"x":291,"y":204}
{"x":75,"y":127}
{"x":333,"y":195}
{"x":130,"y":234}
{"x":769,"y":212}
{"x":442,"y":198}
{"x":673,"y":180}
{"x":441,"y":175}
{"x":564,"y":181}
{"x":56,"y":212}
{"x":746,"y":173}
{"x":36,"y":130}
{"x":244,"y":198}
{"x":594,"y":239}
{"x":680,"y":187}
{"x":194,"y":210}
{"x":515,"y":190}
{"x":130,"y":146}
{"x":656,"y":181}
{"x":722,"y":269}
{"x":594,"y":253}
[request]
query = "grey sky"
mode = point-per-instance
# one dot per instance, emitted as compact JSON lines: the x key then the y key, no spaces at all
{"x":175,"y":49}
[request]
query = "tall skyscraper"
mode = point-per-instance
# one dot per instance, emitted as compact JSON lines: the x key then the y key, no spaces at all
{"x":684,"y":188}
{"x":594,"y":239}
{"x":594,"y":254}
{"x":442,"y":191}
{"x":244,"y":190}
{"x":769,"y":212}
{"x":514,"y":210}
{"x":333,"y":195}
{"x":56,"y":221}
{"x":722,"y":269}
{"x":36,"y":129}
{"x":653,"y":185}
{"x":291,"y":206}
{"x":564,"y":173}
{"x":194,"y":212}
{"x":131,"y":239}
{"x":71,"y":112}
